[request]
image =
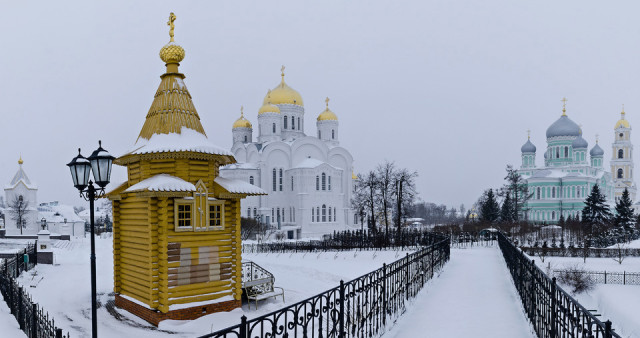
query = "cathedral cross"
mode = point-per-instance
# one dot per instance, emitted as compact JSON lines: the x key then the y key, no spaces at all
{"x":564,"y":105}
{"x":282,"y":71}
{"x":172,"y":18}
{"x":528,"y":134}
{"x":327,"y":102}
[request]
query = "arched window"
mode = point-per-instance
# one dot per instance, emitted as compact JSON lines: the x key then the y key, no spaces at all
{"x":553,"y":192}
{"x":245,"y":138}
{"x":329,"y":187}
{"x":329,"y":214}
{"x":553,"y":215}
{"x":334,"y":214}
{"x":620,"y":153}
{"x":280,"y":181}
{"x":251,"y":181}
{"x":299,"y":124}
{"x":248,"y":212}
{"x":333,"y":134}
{"x":274,"y":180}
{"x":324,"y":212}
{"x":620,"y":173}
{"x":317,"y":182}
{"x":319,"y":134}
{"x":293,"y":123}
{"x":273,"y":128}
{"x":324,"y":181}
{"x":557,"y":148}
{"x":291,"y":183}
{"x":538,"y":193}
{"x":313,"y":215}
{"x":286,"y":119}
{"x":566,"y":152}
{"x":317,"y":214}
{"x":255,"y":213}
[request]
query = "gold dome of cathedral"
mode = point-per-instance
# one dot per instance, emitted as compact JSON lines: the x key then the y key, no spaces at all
{"x":327,"y":114}
{"x":283,"y":94}
{"x":268,"y":107}
{"x":242,"y":122}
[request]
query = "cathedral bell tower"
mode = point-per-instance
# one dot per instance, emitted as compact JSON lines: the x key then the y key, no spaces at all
{"x":622,"y":159}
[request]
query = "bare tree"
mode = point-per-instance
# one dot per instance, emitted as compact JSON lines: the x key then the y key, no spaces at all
{"x":365,"y":195}
{"x":17,"y":209}
{"x":621,"y":253}
{"x":405,"y":192}
{"x":385,"y":173}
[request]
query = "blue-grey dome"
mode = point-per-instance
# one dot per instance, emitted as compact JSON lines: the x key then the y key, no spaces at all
{"x":528,"y":147}
{"x":580,"y":143}
{"x":563,"y":127}
{"x":596,"y":151}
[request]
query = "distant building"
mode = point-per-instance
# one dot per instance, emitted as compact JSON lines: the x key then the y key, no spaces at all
{"x":568,"y":175}
{"x":622,"y":159}
{"x":21,"y":191}
{"x":61,"y":219}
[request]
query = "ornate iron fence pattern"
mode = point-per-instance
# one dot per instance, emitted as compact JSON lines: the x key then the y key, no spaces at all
{"x":33,"y":320}
{"x":552,"y":311}
{"x":581,"y":252}
{"x":608,"y":277}
{"x":359,"y":308}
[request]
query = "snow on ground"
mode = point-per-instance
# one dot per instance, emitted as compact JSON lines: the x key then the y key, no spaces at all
{"x":13,"y":245}
{"x":633,"y":244}
{"x":473,"y":297}
{"x":618,"y":303}
{"x":629,"y":264}
{"x":64,"y":289}
{"x":8,"y":324}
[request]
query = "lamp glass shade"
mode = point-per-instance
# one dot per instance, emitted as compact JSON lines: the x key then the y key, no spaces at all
{"x":80,"y":169}
{"x":101,"y":162}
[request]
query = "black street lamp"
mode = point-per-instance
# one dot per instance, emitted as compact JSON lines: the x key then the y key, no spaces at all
{"x":100,"y":163}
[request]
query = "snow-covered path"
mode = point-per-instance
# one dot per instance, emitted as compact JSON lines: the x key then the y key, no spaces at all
{"x":473,"y":297}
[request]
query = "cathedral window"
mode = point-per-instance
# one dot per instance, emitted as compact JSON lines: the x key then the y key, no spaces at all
{"x":273,"y":215}
{"x":324,"y":182}
{"x":620,"y":153}
{"x":313,"y":215}
{"x":329,"y":185}
{"x":248,"y":212}
{"x":291,"y":183}
{"x":557,"y":148}
{"x":286,"y":118}
{"x":329,"y":214}
{"x":319,"y":134}
{"x":324,"y":212}
{"x":317,"y":182}
{"x":334,"y":214}
{"x":251,"y":181}
{"x":553,"y":192}
{"x":333,"y":134}
{"x":538,"y":193}
{"x":299,"y":123}
{"x":280,"y":181}
{"x":245,"y":138}
{"x":317,"y":214}
{"x":553,"y":215}
{"x":566,"y":152}
{"x":273,"y":128}
{"x":274,"y":179}
{"x":255,"y":213}
{"x":293,"y":123}
{"x":621,"y":135}
{"x":620,"y":173}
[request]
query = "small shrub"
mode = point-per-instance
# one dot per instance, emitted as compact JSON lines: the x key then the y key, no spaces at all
{"x":575,"y":278}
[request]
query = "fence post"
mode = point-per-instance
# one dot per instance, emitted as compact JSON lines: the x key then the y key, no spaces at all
{"x":243,"y":327}
{"x":624,"y":278}
{"x":58,"y":333}
{"x":607,"y":329}
{"x":342,"y":333}
{"x":407,"y":272}
{"x":605,"y":277}
{"x":384,"y":294}
{"x":554,"y":313}
{"x":34,"y":320}
{"x":20,"y":310}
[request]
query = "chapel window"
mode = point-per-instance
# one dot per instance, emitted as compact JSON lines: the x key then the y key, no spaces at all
{"x":273,"y":128}
{"x":245,"y":138}
{"x":251,"y":181}
{"x":286,"y":118}
{"x":280,"y":181}
{"x":293,"y":123}
{"x":324,"y":181}
{"x":216,"y":214}
{"x":274,"y":179}
{"x":299,"y":123}
{"x":317,"y":214}
{"x":184,"y":215}
{"x":317,"y":182}
{"x":620,"y":173}
{"x":329,"y":214}
{"x":333,"y":134}
{"x":566,"y":152}
{"x":620,"y":153}
{"x":329,"y":185}
{"x":324,"y":212}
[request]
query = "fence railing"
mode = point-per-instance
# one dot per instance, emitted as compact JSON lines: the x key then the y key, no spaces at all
{"x":349,"y":240}
{"x":607,"y":277}
{"x":582,"y":252}
{"x":33,"y":320}
{"x":552,"y":311}
{"x":358,"y":308}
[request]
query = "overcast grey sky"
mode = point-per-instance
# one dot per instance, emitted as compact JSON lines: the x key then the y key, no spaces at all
{"x":447,"y":88}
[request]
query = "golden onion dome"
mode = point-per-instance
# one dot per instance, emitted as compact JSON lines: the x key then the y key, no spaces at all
{"x":171,"y":52}
{"x":20,"y":161}
{"x":327,"y":114}
{"x":267,"y":107}
{"x":622,"y":122}
{"x":242,"y":122}
{"x":283,"y":94}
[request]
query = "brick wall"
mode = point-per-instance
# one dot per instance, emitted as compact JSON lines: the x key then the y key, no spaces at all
{"x":155,"y":317}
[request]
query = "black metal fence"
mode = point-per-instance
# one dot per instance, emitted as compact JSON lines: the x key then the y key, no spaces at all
{"x":358,"y":308}
{"x":33,"y":320}
{"x":582,"y":252}
{"x":607,"y":277}
{"x":349,"y":240}
{"x":552,"y":311}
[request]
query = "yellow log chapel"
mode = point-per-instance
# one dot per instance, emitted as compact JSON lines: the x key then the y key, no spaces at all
{"x":176,"y":224}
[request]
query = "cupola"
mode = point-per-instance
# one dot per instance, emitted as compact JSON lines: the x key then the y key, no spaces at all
{"x":283,"y":94}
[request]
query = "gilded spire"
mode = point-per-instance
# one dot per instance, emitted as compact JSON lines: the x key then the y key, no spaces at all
{"x":564,"y":106}
{"x":282,"y":73}
{"x":172,"y":108}
{"x":327,"y":102}
{"x":528,"y":134}
{"x":20,"y":161}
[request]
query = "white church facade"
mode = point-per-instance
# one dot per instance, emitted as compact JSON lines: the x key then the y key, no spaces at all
{"x":309,"y":179}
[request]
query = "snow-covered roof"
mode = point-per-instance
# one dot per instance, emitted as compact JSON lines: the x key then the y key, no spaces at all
{"x":238,"y":186}
{"x":186,"y":140}
{"x":58,"y":213}
{"x":240,"y":166}
{"x":310,"y":163}
{"x":21,"y":176}
{"x":162,"y":182}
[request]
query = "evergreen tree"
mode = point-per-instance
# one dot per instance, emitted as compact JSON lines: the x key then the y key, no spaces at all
{"x":624,"y":211}
{"x":561,"y":221}
{"x":489,"y":208}
{"x":507,"y":212}
{"x":517,"y":187}
{"x":595,"y":211}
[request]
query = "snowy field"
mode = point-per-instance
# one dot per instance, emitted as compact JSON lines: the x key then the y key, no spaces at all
{"x":11,"y":245}
{"x":64,"y":289}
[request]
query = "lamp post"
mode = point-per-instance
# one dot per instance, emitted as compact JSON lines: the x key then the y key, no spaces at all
{"x":100,"y":164}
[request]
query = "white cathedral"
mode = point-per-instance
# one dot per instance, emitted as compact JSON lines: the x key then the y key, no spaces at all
{"x":309,"y":179}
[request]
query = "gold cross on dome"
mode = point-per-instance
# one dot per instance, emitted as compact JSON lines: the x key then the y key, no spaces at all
{"x":282,"y":70}
{"x":597,"y":138}
{"x":327,"y":102}
{"x":528,"y":133}
{"x":172,"y":18}
{"x":564,"y":105}
{"x":241,"y":111}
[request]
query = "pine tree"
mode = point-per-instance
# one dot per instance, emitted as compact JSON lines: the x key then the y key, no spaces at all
{"x":595,"y":211}
{"x":507,"y":212}
{"x":624,"y":211}
{"x":489,"y":208}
